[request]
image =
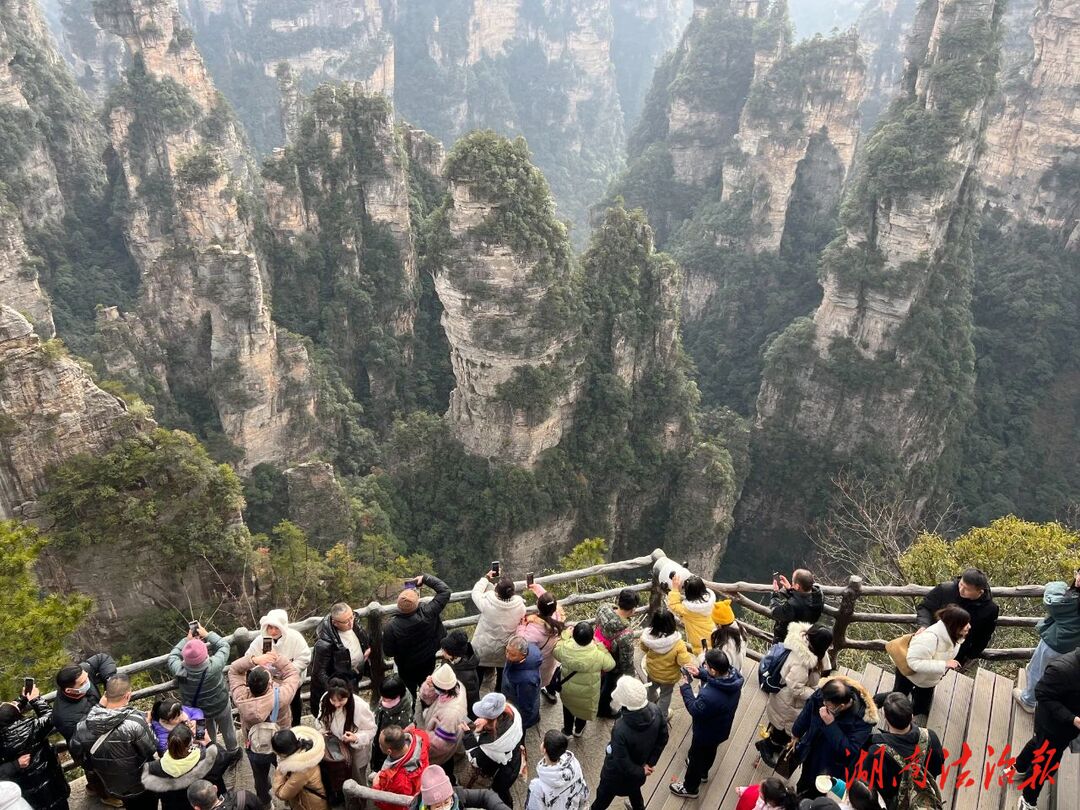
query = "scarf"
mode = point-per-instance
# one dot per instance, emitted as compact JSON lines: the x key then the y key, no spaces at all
{"x":502,"y":748}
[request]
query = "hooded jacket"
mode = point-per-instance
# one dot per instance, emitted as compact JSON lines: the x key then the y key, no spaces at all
{"x":297,"y":778}
{"x":330,"y":658}
{"x":713,"y":708}
{"x":119,"y":760}
{"x":69,"y":712}
{"x":695,"y":616}
{"x":257,"y":709}
{"x":205,"y":681}
{"x":206,"y":766}
{"x":440,"y":718}
{"x":1060,"y":628}
{"x":400,"y":715}
{"x":581,"y":693}
{"x":801,"y":675}
{"x":1058,"y":697}
{"x":521,"y":685}
{"x":497,"y":745}
{"x":619,"y":630}
{"x":467,"y":799}
{"x":402,"y":776}
{"x":834,"y":748}
{"x":664,"y":655}
{"x":558,"y":786}
{"x":499,"y":619}
{"x":928,"y":653}
{"x":791,"y":605}
{"x":465,"y":668}
{"x":983,"y":612}
{"x":637,"y":740}
{"x":291,"y":644}
{"x":412,"y":639}
{"x":42,"y":781}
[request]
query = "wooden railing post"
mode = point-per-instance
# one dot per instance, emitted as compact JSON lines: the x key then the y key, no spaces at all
{"x":844,"y":614}
{"x":376,"y":662}
{"x":656,"y":593}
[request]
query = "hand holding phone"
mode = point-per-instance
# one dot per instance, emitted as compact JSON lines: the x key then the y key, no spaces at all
{"x":530,"y":578}
{"x":28,"y":687}
{"x":200,"y":729}
{"x":268,"y":644}
{"x":496,"y":568}
{"x":193,"y":629}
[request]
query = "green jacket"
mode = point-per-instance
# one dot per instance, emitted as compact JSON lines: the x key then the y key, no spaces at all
{"x":214,"y":692}
{"x":1061,"y":627}
{"x":581,"y":693}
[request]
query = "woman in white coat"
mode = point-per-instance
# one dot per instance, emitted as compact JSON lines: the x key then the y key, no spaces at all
{"x":349,"y":721}
{"x":289,"y":644}
{"x":501,"y":610}
{"x":931,"y":654}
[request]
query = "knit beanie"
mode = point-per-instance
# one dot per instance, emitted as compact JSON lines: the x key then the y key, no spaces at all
{"x":490,"y":705}
{"x":408,"y":600}
{"x":194,"y":652}
{"x":629,"y":693}
{"x":435,"y":787}
{"x":722,"y":614}
{"x":444,"y":678}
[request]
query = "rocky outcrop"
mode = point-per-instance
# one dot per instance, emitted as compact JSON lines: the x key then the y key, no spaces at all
{"x":50,"y":410}
{"x":883,"y":28}
{"x":319,"y":505}
{"x":19,"y":287}
{"x":182,"y":175}
{"x":1031,"y":166}
{"x":97,"y":58}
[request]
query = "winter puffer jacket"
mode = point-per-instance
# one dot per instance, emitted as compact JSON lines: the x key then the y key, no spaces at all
{"x":402,"y":776}
{"x":68,"y":712}
{"x":205,"y":681}
{"x":498,"y":746}
{"x":558,"y":786}
{"x":412,"y":640}
{"x":696,"y":616}
{"x":291,"y":644}
{"x":581,"y":693}
{"x":637,"y":740}
{"x":209,"y":765}
{"x":664,"y":655}
{"x":1058,"y":697}
{"x":330,"y":658}
{"x":620,"y":632}
{"x":119,"y":760}
{"x":834,"y":748}
{"x":521,"y":685}
{"x":440,"y":718}
{"x":928,"y":654}
{"x":801,"y":673}
{"x":713,"y":708}
{"x":787,"y":606}
{"x":983,"y":612}
{"x":254,"y":709}
{"x":400,"y":715}
{"x":1060,"y":629}
{"x":499,"y":619}
{"x":42,"y":781}
{"x":297,"y":778}
{"x":540,"y":633}
{"x":466,"y":799}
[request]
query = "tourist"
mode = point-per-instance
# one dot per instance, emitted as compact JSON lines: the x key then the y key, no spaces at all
{"x":437,"y":793}
{"x":903,"y":746}
{"x":203,"y":795}
{"x":441,"y":713}
{"x":931,"y":654}
{"x":78,"y":690}
{"x":797,"y":600}
{"x":1059,"y":633}
{"x":665,"y":654}
{"x":832,"y":729}
{"x":693,"y":604}
{"x":971,"y":591}
{"x":412,"y":636}
{"x":583,"y":662}
{"x":127,"y":745}
{"x":501,"y":610}
{"x":560,"y":782}
{"x":521,"y":679}
{"x":341,"y":650}
{"x":457,"y":651}
{"x":807,"y":661}
{"x":262,"y":687}
{"x":395,"y":708}
{"x":637,"y":741}
{"x":494,"y":746}
{"x":348,"y":727}
{"x":544,"y":628}
{"x":615,"y":633}
{"x":712,"y":711}
{"x":290,"y":645}
{"x":729,"y":636}
{"x":184,"y":761}
{"x":26,"y":756}
{"x":297,"y":775}
{"x":405,"y":757}
{"x":198,"y":663}
{"x":166,"y":714}
{"x":772,"y":793}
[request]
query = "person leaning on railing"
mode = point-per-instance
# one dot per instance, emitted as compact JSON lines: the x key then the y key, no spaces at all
{"x":1059,"y":633}
{"x":798,"y":600}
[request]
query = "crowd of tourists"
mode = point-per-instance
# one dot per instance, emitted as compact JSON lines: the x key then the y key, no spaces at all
{"x":436,"y":737}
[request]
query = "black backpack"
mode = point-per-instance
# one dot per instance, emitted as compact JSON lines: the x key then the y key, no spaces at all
{"x":768,"y":675}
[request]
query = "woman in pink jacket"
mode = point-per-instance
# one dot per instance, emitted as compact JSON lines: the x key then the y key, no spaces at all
{"x":543,"y":629}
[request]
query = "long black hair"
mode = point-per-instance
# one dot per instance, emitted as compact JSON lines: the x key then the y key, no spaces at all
{"x":337,"y":688}
{"x":729,"y":632}
{"x":546,"y":606}
{"x":778,"y":793}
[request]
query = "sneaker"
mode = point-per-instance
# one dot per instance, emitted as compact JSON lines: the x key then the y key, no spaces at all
{"x":1024,"y":805}
{"x":1014,"y":776}
{"x":679,"y":789}
{"x":578,"y":732}
{"x":549,"y":696}
{"x":1017,"y":696}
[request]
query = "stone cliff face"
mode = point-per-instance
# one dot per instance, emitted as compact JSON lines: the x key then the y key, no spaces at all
{"x":1031,"y":167}
{"x":181,"y":174}
{"x":19,"y":287}
{"x":883,"y":28}
{"x":98,"y":58}
{"x":50,"y":410}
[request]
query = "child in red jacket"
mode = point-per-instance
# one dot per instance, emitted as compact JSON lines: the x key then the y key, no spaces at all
{"x":406,"y":758}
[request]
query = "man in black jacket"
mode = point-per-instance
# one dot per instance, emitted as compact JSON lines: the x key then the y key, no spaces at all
{"x":971,"y":591}
{"x":412,"y":637}
{"x":904,"y":738}
{"x":799,"y":600}
{"x":637,"y":741}
{"x":1057,"y":724}
{"x":340,"y":651}
{"x":78,"y":690}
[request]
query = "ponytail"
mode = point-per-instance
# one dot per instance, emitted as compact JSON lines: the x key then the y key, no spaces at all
{"x":778,"y":793}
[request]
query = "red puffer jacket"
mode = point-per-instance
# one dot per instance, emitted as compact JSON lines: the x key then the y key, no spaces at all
{"x":403,"y":776}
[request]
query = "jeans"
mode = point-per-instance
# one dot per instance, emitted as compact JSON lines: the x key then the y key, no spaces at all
{"x":224,"y":723}
{"x":660,"y":694}
{"x":922,"y":697}
{"x":607,"y":790}
{"x":701,"y":758}
{"x":1042,"y":656}
{"x":1026,"y":760}
{"x":571,"y":723}
{"x":261,"y":764}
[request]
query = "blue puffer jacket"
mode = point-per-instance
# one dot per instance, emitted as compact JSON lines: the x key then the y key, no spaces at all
{"x":834,"y":748}
{"x":521,"y":685}
{"x":1061,"y":627}
{"x":713,"y":708}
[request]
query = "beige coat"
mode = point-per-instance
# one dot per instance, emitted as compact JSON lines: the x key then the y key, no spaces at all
{"x":928,"y":654}
{"x":297,"y":779}
{"x":801,"y":675}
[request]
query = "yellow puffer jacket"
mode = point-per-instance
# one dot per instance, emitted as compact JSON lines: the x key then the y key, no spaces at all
{"x":696,"y":616}
{"x":663,"y":657}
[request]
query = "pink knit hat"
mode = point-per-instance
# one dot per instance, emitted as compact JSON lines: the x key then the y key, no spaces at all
{"x":435,"y":787}
{"x":194,"y":652}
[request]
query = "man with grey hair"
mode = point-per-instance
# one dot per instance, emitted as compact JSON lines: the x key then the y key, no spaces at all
{"x":341,"y":650}
{"x":203,"y":795}
{"x":521,"y":679}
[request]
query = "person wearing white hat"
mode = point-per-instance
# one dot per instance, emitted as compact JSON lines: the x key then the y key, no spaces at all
{"x":441,"y":710}
{"x":494,"y":747}
{"x":637,"y":741}
{"x":289,"y":644}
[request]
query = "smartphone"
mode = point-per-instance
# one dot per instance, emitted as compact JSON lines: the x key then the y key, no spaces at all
{"x":193,"y":628}
{"x":776,"y":576}
{"x":686,"y":672}
{"x":529,"y":578}
{"x":200,"y":728}
{"x":410,"y":585}
{"x":704,"y":645}
{"x":268,"y":644}
{"x":496,"y":568}
{"x":27,"y":685}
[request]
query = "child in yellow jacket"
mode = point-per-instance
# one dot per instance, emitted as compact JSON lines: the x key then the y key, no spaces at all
{"x":693,"y":603}
{"x":665,"y":653}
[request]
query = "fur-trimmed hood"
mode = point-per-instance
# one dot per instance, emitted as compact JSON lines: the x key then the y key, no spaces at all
{"x":660,"y":644}
{"x":800,"y":650}
{"x":702,"y":606}
{"x":870,"y":713}
{"x":304,"y":760}
{"x":156,"y":780}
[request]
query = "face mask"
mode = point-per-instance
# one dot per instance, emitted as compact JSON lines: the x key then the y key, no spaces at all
{"x":82,"y":690}
{"x":389,"y":703}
